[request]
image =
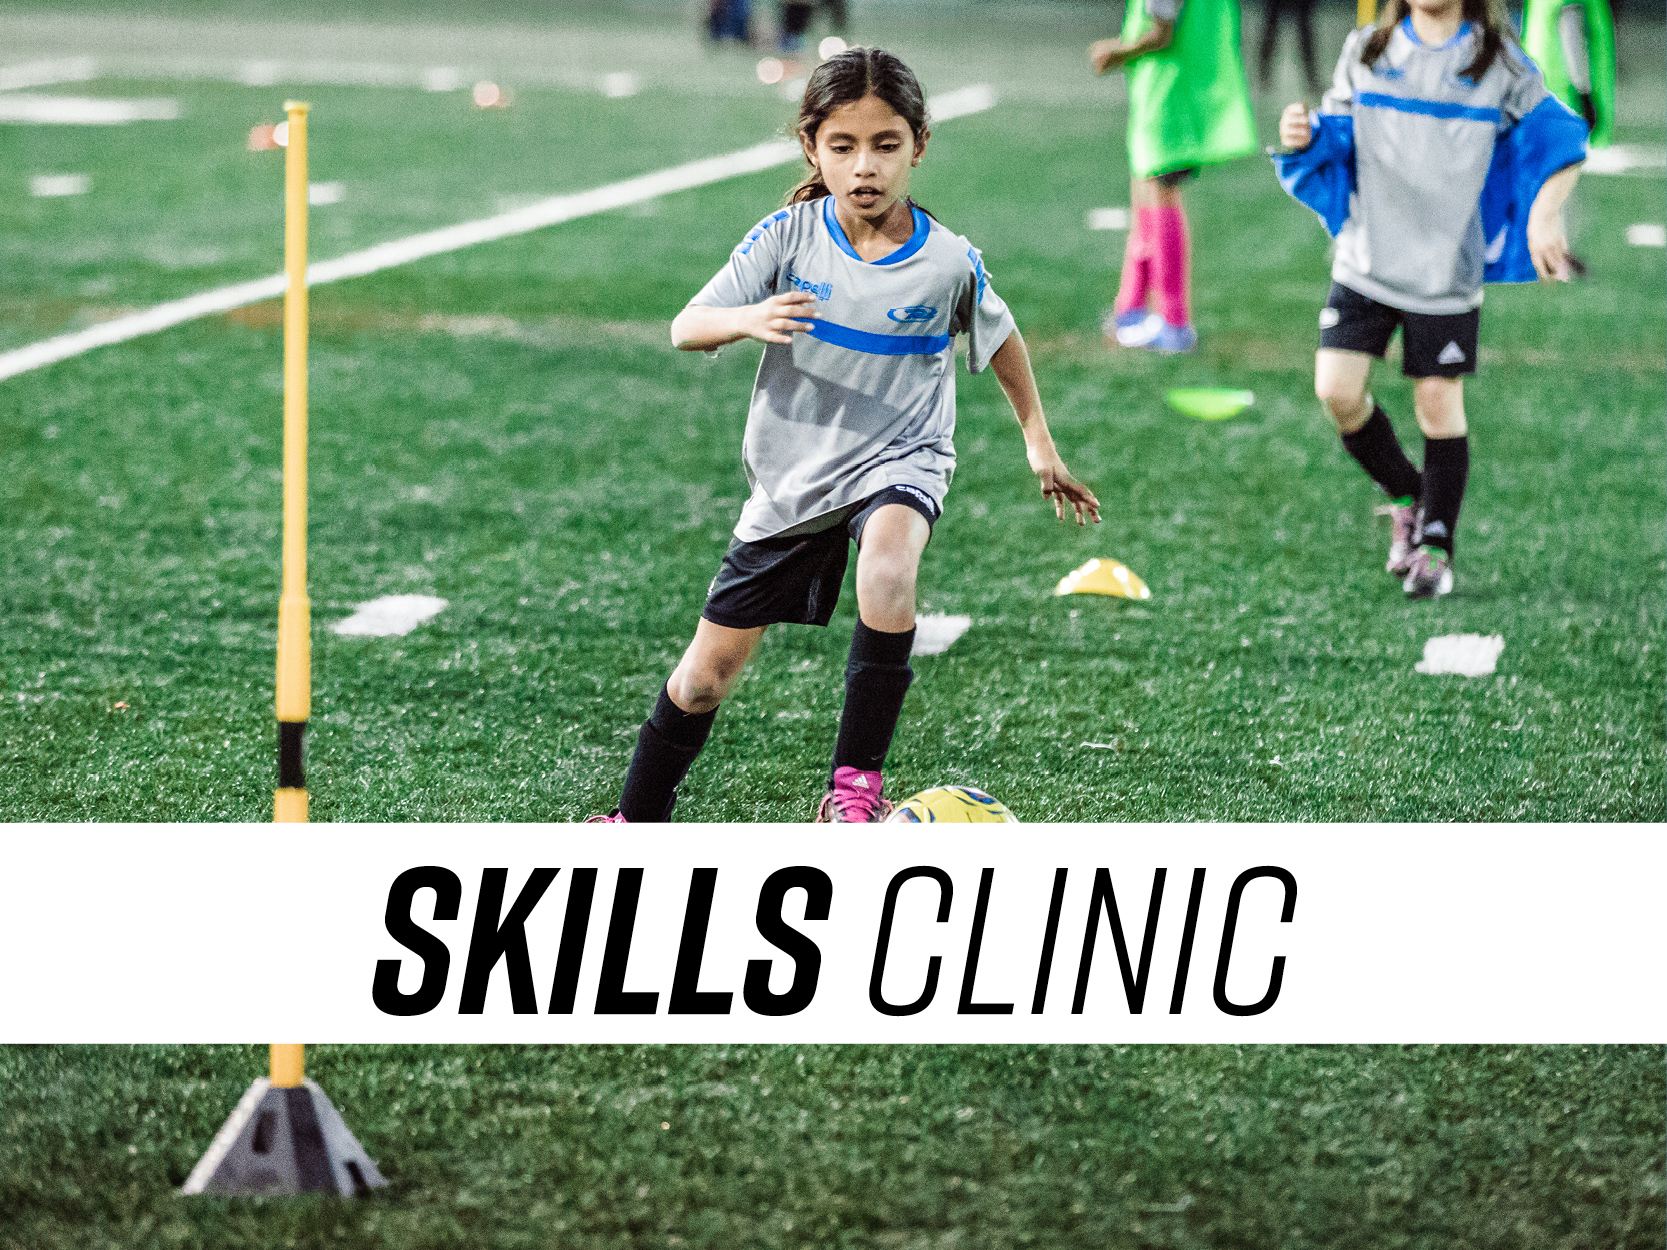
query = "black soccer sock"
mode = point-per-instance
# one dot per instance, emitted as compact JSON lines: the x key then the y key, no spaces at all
{"x":1446,"y":468}
{"x":1378,"y":451}
{"x":877,"y":676}
{"x":666,"y":745}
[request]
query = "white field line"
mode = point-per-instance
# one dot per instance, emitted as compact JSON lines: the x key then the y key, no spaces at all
{"x":1624,"y":158}
{"x":47,"y":73}
{"x":1647,"y":234}
{"x":548,"y":212}
{"x":66,"y":110}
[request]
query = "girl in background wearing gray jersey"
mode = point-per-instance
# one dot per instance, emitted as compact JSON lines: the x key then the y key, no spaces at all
{"x":857,"y":294}
{"x":1402,"y":162}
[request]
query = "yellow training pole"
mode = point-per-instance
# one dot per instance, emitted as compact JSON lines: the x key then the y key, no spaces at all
{"x":1365,"y":12}
{"x":294,"y":609}
{"x":288,"y":1065}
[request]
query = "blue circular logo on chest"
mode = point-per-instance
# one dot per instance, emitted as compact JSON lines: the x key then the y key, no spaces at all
{"x":915,"y":312}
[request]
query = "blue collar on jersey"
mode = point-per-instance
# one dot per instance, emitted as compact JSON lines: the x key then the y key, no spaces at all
{"x":917,"y":240}
{"x":1410,"y":33}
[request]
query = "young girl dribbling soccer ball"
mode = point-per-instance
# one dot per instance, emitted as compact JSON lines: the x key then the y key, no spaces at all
{"x":857,"y":294}
{"x":1439,"y":161}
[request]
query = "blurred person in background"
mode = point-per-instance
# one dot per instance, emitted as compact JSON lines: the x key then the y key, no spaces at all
{"x":1303,"y":11}
{"x":796,"y":16}
{"x":729,"y":21}
{"x":1189,"y":106}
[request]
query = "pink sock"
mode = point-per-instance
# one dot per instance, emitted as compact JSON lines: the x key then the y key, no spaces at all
{"x":1172,"y":263}
{"x":1137,"y":267}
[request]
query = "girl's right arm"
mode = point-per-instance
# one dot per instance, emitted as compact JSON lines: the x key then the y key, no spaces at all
{"x":700,"y":328}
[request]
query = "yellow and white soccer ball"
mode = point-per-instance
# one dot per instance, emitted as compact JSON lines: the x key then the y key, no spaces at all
{"x":953,"y":803}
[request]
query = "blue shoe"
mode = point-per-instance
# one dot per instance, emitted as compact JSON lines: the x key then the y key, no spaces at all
{"x":1114,"y":325}
{"x":1171,"y":339}
{"x":1141,"y":330}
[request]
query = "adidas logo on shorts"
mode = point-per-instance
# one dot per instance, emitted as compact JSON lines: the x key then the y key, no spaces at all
{"x":1452,"y":354}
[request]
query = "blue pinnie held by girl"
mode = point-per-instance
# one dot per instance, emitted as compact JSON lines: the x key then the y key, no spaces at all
{"x":1417,"y":119}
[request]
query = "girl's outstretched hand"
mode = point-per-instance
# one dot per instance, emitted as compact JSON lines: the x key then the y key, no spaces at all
{"x":1058,"y":485}
{"x":778,"y":318}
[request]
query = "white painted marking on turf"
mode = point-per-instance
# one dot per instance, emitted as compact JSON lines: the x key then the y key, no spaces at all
{"x":390,"y":615}
{"x":325,"y":193}
{"x":961,"y":103}
{"x":1646,"y":234}
{"x":1466,"y":655}
{"x":44,"y":186}
{"x":618,"y":86}
{"x":936,"y":634}
{"x":1108,"y":219}
{"x":442,"y":78}
{"x":546,"y":212}
{"x":1624,"y":159}
{"x":47,"y":73}
{"x":67,"y":110}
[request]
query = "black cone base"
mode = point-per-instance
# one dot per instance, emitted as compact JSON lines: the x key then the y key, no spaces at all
{"x":283,"y":1141}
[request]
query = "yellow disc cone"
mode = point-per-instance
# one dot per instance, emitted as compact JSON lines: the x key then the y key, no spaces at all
{"x":1104,"y":577}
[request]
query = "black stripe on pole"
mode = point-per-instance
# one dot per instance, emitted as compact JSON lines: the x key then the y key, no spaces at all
{"x":312,"y":1158}
{"x":290,"y":775}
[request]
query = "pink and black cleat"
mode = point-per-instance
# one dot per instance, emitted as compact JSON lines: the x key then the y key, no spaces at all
{"x":612,"y":818}
{"x":855,"y":799}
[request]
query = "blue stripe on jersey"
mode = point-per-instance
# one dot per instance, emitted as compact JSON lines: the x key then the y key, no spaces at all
{"x":878,"y":344}
{"x":917,"y":240}
{"x":1429,"y":108}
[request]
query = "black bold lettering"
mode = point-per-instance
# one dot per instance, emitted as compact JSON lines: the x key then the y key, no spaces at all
{"x":564,"y":986}
{"x":1134,"y":984}
{"x":945,"y":891}
{"x":502,"y":938}
{"x":611,"y":997}
{"x":806,"y":955}
{"x":974,"y":945}
{"x":448,"y":896}
{"x":1232,"y":923}
{"x":686,"y":998}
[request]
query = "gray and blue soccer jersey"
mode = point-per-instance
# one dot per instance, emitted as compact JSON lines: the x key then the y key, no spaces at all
{"x":1423,"y":142}
{"x":866,"y":398}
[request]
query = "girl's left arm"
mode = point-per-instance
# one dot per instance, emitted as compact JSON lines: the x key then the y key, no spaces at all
{"x":1012,"y":365}
{"x":1110,"y":54}
{"x":1548,"y":248}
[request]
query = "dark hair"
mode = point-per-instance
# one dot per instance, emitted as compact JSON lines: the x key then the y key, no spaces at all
{"x":845,"y":79}
{"x":1487,"y":15}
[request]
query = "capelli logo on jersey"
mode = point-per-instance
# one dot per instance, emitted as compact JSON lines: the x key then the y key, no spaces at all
{"x":821,"y":290}
{"x":914,"y":312}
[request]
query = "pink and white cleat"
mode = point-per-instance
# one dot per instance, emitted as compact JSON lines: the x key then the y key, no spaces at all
{"x":855,"y":799}
{"x":612,"y":818}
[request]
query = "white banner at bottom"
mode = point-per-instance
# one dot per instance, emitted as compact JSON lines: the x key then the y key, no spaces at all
{"x":793,"y":933}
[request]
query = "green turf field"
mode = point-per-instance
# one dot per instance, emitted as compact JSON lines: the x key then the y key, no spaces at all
{"x":507,"y":427}
{"x":877,"y":1148}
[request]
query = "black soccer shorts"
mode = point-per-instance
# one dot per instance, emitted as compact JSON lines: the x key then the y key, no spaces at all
{"x":796,"y":580}
{"x":1433,"y":345}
